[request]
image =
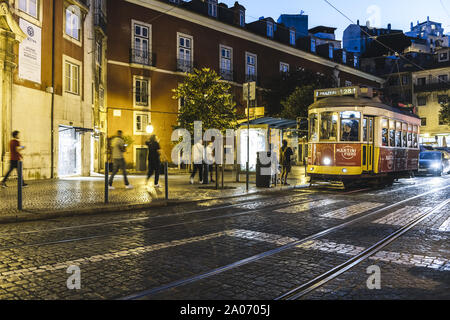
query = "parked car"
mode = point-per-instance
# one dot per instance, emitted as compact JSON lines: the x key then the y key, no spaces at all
{"x":434,"y":162}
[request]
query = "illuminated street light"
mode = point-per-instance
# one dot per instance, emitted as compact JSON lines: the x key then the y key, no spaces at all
{"x":150,"y":129}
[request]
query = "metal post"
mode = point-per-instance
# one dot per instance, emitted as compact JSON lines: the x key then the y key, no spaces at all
{"x":217,"y":176}
{"x":19,"y":185}
{"x":223,"y":169}
{"x":166,"y":177}
{"x":248,"y":137}
{"x":107,"y":182}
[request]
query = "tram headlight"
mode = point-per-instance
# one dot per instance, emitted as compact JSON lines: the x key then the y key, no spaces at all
{"x":344,"y":170}
{"x":312,"y":169}
{"x":327,"y":161}
{"x":436,"y":165}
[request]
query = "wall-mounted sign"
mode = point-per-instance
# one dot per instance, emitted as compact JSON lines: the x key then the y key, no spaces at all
{"x":117,"y":113}
{"x":30,"y":52}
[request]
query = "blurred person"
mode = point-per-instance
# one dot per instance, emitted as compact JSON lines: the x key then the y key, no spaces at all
{"x":15,"y":157}
{"x":118,"y":148}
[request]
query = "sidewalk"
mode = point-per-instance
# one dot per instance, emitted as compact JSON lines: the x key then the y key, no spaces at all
{"x":84,"y":195}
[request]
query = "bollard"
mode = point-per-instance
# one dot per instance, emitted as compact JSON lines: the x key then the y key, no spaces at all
{"x":223,"y":176}
{"x":19,"y":185}
{"x":217,"y":177}
{"x":248,"y":176}
{"x":106,"y":182}
{"x":166,"y":176}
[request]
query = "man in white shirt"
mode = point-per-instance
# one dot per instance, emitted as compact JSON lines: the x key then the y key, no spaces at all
{"x":210,"y":159}
{"x":198,"y":154}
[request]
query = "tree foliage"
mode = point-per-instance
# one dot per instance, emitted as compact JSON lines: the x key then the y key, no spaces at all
{"x":206,"y":99}
{"x":296,"y":105}
{"x":445,"y":113}
{"x":280,"y":89}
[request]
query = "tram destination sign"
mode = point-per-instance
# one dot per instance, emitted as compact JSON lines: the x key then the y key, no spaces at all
{"x":340,"y":92}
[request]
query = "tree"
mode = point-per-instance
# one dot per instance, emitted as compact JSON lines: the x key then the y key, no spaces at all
{"x":280,"y":89}
{"x":205,"y":99}
{"x":296,"y":105}
{"x":445,"y":113}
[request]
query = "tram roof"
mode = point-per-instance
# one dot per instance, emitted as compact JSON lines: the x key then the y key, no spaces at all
{"x":354,"y":102}
{"x":273,"y":123}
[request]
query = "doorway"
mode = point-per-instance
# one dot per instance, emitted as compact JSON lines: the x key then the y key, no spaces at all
{"x":69,"y":156}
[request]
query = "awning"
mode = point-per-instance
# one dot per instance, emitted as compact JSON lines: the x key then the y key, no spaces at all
{"x":273,"y":123}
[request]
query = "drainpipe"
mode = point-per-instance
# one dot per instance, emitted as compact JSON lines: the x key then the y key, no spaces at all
{"x":52,"y":112}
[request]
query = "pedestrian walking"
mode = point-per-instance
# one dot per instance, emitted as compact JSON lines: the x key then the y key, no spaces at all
{"x":286,"y":154}
{"x":210,"y":157}
{"x":15,"y":157}
{"x":154,"y":159}
{"x":198,"y":154}
{"x":118,"y":148}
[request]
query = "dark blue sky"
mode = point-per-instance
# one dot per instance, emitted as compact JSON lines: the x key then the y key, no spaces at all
{"x":400,"y":13}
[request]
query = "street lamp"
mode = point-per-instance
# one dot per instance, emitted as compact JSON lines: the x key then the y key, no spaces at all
{"x":150,"y":129}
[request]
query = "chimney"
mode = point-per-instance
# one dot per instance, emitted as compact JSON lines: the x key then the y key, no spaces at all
{"x":389,"y":26}
{"x":357,"y":22}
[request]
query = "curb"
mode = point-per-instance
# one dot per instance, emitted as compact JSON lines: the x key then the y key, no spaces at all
{"x":29,"y":216}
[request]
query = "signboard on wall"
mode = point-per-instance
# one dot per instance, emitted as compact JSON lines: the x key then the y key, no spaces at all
{"x":30,"y":52}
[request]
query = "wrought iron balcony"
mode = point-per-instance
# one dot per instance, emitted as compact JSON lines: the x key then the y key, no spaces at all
{"x":227,"y":74}
{"x":251,"y":78}
{"x":143,"y":57}
{"x":185,"y":65}
{"x":100,"y":20}
{"x":429,"y":87}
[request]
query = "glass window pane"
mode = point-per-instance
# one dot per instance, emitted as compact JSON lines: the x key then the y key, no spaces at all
{"x":328,"y":127}
{"x":23,"y":5}
{"x":350,"y":126}
{"x":313,"y":123}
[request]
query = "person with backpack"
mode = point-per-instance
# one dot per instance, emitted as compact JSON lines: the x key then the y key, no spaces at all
{"x":286,"y":154}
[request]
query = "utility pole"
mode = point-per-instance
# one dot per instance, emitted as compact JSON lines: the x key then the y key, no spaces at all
{"x":250,"y":95}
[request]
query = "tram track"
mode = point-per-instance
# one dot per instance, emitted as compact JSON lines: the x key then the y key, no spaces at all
{"x":303,"y":290}
{"x":240,"y":263}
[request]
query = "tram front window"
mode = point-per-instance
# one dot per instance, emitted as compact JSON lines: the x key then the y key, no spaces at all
{"x":350,"y":126}
{"x":328,"y":126}
{"x":313,"y":122}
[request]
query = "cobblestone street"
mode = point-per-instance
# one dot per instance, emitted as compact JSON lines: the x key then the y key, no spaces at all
{"x":258,"y":246}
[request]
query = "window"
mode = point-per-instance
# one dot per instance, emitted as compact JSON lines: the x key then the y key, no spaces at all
{"x":242,"y":18}
{"x":284,"y":67}
{"x":29,"y":7}
{"x":212,"y":8}
{"x":328,"y":126}
{"x":141,"y":43}
{"x":344,"y":56}
{"x":405,"y":80}
{"x":226,"y":63}
{"x":422,"y":101}
{"x":251,"y":67}
{"x":398,"y":135}
{"x":410,"y":136}
{"x":416,"y":137}
{"x":385,"y":132}
{"x":142,"y":121}
{"x":330,"y":52}
{"x":270,"y":29}
{"x":313,"y":123}
{"x":392,"y":136}
{"x":443,"y":56}
{"x":421,"y":81}
{"x":348,"y":83}
{"x":350,"y":126}
{"x":443,"y":78}
{"x":404,"y":135}
{"x":356,"y":61}
{"x":292,"y":37}
{"x":141,"y":90}
{"x":185,"y":52}
{"x":423,"y":122}
{"x":313,"y":45}
{"x":72,"y":78}
{"x":72,"y":23}
{"x":98,"y":52}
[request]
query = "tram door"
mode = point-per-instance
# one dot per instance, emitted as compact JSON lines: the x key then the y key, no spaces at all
{"x":368,"y":143}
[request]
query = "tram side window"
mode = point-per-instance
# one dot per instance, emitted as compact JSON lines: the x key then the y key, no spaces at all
{"x":328,"y":126}
{"x":398,"y":136}
{"x":313,"y":122}
{"x":392,"y":133}
{"x":350,"y":126}
{"x":410,"y":136}
{"x":385,"y":132}
{"x":416,"y":136}
{"x":404,"y":135}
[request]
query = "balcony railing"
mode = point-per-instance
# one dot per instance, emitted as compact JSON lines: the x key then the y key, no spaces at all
{"x":227,"y":74}
{"x":100,"y":20}
{"x":185,"y":65}
{"x":251,"y":78}
{"x":142,"y":57}
{"x":438,"y":86}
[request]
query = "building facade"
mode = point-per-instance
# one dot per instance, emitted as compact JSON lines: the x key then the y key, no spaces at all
{"x":152,"y":45}
{"x":47,"y":61}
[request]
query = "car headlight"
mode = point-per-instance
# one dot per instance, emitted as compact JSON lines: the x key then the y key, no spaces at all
{"x":436,"y":165}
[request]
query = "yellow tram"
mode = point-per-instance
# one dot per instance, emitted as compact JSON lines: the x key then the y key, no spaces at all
{"x":354,"y":138}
